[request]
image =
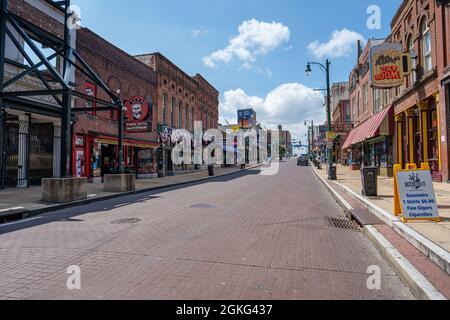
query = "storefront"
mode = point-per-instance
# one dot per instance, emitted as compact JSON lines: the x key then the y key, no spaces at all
{"x":95,"y":155}
{"x":418,"y":136}
{"x":370,"y":143}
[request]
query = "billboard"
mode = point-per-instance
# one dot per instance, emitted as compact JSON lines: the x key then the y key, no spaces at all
{"x":389,"y":65}
{"x":247,"y":118}
{"x":138,"y":115}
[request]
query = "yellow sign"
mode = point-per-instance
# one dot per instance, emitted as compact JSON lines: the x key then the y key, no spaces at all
{"x":414,"y":195}
{"x":331,"y":135}
{"x":389,"y":65}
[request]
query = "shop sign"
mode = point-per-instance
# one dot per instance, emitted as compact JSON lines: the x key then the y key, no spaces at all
{"x":389,"y":65}
{"x":415,"y":197}
{"x":138,"y":115}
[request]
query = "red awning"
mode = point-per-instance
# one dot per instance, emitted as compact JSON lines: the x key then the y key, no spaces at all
{"x":369,"y":129}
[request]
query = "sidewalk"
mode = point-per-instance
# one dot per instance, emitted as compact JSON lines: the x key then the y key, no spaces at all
{"x":438,"y":233}
{"x":29,"y":199}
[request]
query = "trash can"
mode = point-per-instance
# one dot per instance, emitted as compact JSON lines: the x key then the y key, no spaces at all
{"x":333,"y":173}
{"x":369,"y":176}
{"x":211,"y":171}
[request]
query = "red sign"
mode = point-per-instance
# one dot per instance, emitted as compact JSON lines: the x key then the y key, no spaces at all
{"x":388,"y":73}
{"x":138,"y":112}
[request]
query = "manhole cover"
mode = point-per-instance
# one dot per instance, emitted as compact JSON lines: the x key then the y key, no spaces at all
{"x":343,"y":223}
{"x":126,"y":221}
{"x":202,"y":206}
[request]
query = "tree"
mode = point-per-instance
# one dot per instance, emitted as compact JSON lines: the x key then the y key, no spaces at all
{"x":282,"y":152}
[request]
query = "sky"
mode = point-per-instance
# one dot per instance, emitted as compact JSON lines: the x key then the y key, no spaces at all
{"x":253,"y":51}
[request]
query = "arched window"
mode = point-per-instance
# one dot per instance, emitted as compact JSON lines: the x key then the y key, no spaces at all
{"x":426,"y":46}
{"x":164,"y":108}
{"x":412,"y":52}
{"x":179,"y":115}
{"x":186,"y":117}
{"x":172,"y":110}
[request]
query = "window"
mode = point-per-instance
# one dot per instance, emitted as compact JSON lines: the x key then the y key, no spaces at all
{"x":376,"y":100}
{"x":164,"y":108}
{"x":385,"y":97}
{"x":192,"y":119}
{"x":172,"y":110}
{"x":426,"y":46}
{"x":354,"y":108}
{"x":412,"y":51}
{"x":179,"y":115}
{"x":365,"y":99}
{"x":186,"y":117}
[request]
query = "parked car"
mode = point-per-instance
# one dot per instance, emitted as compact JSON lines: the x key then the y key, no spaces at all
{"x":303,"y":160}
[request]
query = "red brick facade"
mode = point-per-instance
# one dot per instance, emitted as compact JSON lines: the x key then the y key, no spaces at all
{"x":37,"y":17}
{"x":421,"y":26}
{"x":119,"y":71}
{"x":183,"y":95}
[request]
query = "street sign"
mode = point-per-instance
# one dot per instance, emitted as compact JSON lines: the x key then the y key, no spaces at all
{"x":331,"y":135}
{"x":414,"y":195}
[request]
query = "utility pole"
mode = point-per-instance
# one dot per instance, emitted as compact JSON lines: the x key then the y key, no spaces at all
{"x":3,"y":8}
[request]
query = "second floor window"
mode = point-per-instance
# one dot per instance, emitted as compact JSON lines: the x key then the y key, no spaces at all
{"x":172,"y":110}
{"x":412,"y":51}
{"x":164,"y":108}
{"x":426,"y":46}
{"x":365,"y":99}
{"x":179,"y":115}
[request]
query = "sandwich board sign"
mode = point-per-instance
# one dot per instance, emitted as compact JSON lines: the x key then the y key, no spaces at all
{"x":414,"y":196}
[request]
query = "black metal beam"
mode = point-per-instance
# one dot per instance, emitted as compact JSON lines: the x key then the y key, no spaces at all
{"x":96,"y":109}
{"x":3,"y":11}
{"x":94,"y":99}
{"x":32,"y":93}
{"x":36,"y":51}
{"x":33,"y":71}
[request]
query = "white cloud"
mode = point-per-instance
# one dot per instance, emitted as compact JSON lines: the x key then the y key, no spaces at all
{"x":255,"y":38}
{"x":262,"y":71}
{"x":197,"y":33}
{"x":289,"y":104}
{"x":340,"y":44}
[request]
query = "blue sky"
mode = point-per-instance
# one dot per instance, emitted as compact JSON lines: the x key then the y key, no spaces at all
{"x":257,"y":49}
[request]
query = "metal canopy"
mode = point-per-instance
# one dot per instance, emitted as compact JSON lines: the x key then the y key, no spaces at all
{"x":55,"y":84}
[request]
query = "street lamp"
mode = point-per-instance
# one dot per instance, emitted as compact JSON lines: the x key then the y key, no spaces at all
{"x":311,"y":142}
{"x":326,"y":69}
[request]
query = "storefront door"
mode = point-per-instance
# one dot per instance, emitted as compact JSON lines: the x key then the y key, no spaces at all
{"x":108,"y":159}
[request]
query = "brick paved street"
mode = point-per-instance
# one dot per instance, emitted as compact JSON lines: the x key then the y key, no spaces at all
{"x":245,"y":236}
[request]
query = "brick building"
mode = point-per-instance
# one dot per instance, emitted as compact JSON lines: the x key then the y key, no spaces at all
{"x":421,"y":112}
{"x":370,"y":142}
{"x":341,"y":117}
{"x":95,"y":133}
{"x":30,"y":128}
{"x":182,"y":100}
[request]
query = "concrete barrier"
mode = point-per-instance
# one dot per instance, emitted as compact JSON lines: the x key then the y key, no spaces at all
{"x":120,"y":182}
{"x":64,"y":190}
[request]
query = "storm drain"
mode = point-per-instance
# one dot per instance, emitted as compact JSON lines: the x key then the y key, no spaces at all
{"x":343,"y":223}
{"x":126,"y":221}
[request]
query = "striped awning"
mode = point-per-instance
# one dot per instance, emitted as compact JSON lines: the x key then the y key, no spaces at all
{"x":369,"y":129}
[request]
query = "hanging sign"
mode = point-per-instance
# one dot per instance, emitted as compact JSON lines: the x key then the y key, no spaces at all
{"x":389,"y":65}
{"x":414,"y":196}
{"x":138,"y":111}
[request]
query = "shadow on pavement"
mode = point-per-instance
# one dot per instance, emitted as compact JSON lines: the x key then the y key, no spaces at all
{"x":69,"y":214}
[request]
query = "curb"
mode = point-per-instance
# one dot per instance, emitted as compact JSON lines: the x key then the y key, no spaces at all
{"x":431,"y":250}
{"x":35,"y":212}
{"x":420,"y":286}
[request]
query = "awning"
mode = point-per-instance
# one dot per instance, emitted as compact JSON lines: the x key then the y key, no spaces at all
{"x":128,"y":143}
{"x":371,"y":128}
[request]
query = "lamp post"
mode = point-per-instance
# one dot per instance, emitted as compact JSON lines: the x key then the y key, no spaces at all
{"x":122,"y":111}
{"x":311,"y":142}
{"x":326,"y":69}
